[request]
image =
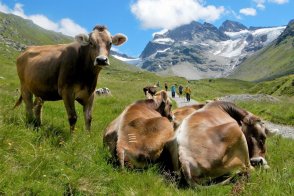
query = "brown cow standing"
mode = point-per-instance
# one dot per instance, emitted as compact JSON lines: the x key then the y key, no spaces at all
{"x":68,"y":72}
{"x":140,"y":133}
{"x":211,"y":142}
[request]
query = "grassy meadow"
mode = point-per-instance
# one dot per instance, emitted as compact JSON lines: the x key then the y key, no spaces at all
{"x":49,"y":161}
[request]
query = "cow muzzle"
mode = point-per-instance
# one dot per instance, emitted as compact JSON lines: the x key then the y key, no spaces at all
{"x":101,"y":60}
{"x":259,"y":161}
{"x":171,"y":117}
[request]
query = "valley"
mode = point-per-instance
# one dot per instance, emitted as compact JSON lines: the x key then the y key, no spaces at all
{"x":50,"y":161}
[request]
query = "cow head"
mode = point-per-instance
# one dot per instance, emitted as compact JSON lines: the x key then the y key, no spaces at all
{"x":256,"y":134}
{"x":164,"y":104}
{"x":99,"y":42}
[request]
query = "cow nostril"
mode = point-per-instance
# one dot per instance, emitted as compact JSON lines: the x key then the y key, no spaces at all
{"x":101,"y":60}
{"x":258,"y":161}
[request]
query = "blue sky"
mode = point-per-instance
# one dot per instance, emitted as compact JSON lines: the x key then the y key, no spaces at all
{"x":138,"y":19}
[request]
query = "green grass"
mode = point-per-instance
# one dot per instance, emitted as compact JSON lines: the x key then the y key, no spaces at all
{"x":283,"y":86}
{"x":212,"y":88}
{"x":281,"y":112}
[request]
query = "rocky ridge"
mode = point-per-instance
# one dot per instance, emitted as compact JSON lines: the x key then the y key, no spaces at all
{"x":209,"y":51}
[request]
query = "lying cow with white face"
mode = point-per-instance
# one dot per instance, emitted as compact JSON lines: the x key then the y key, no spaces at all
{"x":140,"y":133}
{"x":102,"y":91}
{"x":211,"y":142}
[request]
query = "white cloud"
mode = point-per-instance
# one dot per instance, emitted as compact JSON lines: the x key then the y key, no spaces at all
{"x":69,"y":27}
{"x":65,"y":25}
{"x":279,"y":1}
{"x":4,"y":8}
{"x":248,"y":11}
{"x":44,"y":22}
{"x":168,"y":14}
{"x":260,"y":4}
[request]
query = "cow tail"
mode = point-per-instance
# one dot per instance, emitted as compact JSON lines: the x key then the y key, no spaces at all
{"x":18,"y":102}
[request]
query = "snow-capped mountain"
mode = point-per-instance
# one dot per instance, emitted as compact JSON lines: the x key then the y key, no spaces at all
{"x":125,"y":58}
{"x":200,"y":50}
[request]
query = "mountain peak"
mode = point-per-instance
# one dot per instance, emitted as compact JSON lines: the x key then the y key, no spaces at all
{"x":289,"y":31}
{"x":232,"y":26}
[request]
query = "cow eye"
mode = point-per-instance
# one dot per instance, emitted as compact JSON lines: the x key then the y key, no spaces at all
{"x":91,"y":44}
{"x":262,"y":140}
{"x":109,"y":44}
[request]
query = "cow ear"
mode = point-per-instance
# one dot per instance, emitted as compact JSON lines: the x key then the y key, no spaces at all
{"x":83,"y":39}
{"x":164,"y":96}
{"x":119,"y":39}
{"x":247,"y":120}
{"x":160,"y":97}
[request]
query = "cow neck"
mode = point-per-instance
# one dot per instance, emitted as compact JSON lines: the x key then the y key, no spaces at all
{"x":161,"y":108}
{"x":237,"y":113}
{"x":150,"y":103}
{"x":88,"y":62}
{"x":88,"y":68}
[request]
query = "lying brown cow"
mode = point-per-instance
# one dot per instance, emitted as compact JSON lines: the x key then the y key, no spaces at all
{"x":183,"y":112}
{"x":211,"y":142}
{"x":68,"y":72}
{"x":140,"y":133}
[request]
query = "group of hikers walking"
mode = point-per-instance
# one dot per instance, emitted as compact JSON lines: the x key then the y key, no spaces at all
{"x":181,"y":89}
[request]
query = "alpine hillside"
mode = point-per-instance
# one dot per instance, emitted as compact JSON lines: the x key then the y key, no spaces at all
{"x":196,"y":50}
{"x":273,"y":61}
{"x":17,"y":33}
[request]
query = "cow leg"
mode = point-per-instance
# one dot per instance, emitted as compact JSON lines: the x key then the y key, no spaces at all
{"x":121,"y":155}
{"x":239,"y":156}
{"x":69,"y":103}
{"x":87,"y":108}
{"x":187,"y":173}
{"x":172,"y":148}
{"x":38,"y":110}
{"x":245,"y":152}
{"x":28,"y":99}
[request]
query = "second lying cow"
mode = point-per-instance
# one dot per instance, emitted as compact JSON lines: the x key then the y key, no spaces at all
{"x":140,"y":133}
{"x":211,"y":142}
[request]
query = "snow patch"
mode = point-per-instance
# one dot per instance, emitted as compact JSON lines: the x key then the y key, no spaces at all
{"x":230,"y":48}
{"x":238,"y":35}
{"x":163,"y":41}
{"x":128,"y":60}
{"x":158,"y":51}
{"x":163,"y":50}
{"x":163,"y":31}
{"x":272,"y":33}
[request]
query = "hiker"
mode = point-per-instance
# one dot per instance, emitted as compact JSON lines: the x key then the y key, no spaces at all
{"x":188,"y":93}
{"x":180,"y":90}
{"x":165,"y":86}
{"x":173,"y":90}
